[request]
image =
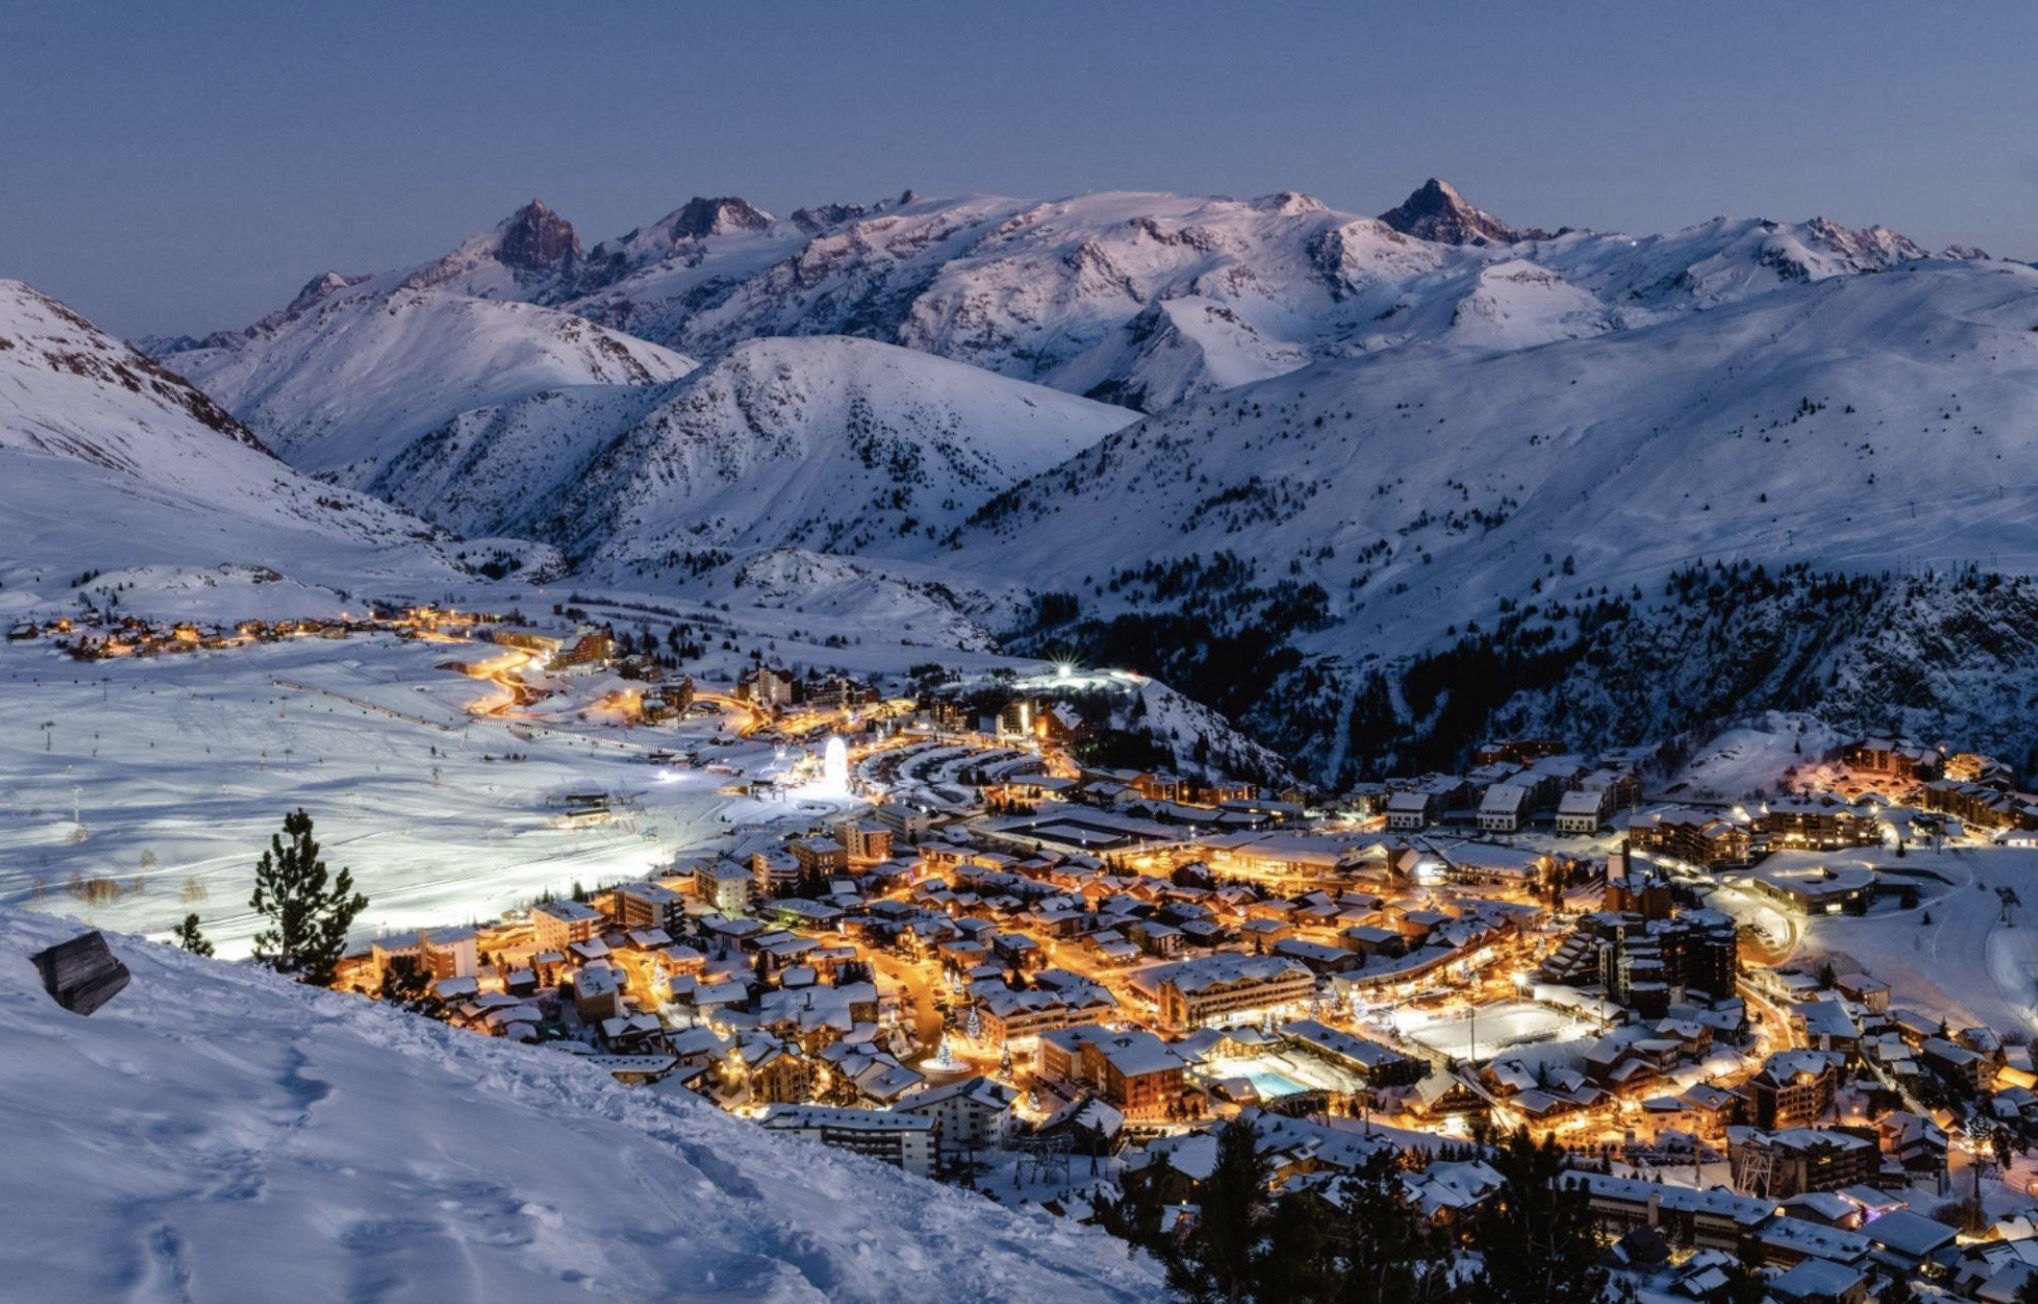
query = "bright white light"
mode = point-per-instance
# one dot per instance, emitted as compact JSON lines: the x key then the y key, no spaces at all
{"x":834,"y":780}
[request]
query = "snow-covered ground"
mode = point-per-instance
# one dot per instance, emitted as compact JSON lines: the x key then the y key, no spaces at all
{"x":1952,"y":954}
{"x":218,"y":1134}
{"x":1751,"y":758}
{"x":180,"y":768}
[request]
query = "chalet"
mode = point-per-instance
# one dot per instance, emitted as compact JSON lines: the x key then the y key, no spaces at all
{"x":1956,"y":1063}
{"x":1792,"y":1088}
{"x":1981,"y":805}
{"x":766,"y":687}
{"x":1715,"y":1218}
{"x":1062,"y":723}
{"x":1692,"y":836}
{"x":839,"y":693}
{"x":589,"y":651}
{"x":1819,"y":1281}
{"x":1224,"y":988}
{"x":1136,"y":1072}
{"x":1443,"y":1095}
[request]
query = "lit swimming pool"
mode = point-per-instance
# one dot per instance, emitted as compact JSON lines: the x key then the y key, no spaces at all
{"x":1271,"y":1085}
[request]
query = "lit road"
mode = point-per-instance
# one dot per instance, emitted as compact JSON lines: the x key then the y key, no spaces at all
{"x":920,"y":985}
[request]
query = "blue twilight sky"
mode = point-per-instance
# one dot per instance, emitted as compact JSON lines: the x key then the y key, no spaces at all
{"x":186,"y":166}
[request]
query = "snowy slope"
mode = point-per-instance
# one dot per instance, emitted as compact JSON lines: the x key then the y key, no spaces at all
{"x":1860,"y":423}
{"x":840,"y":444}
{"x":218,"y":1134}
{"x":359,"y":372}
{"x":1899,"y":409}
{"x":108,"y":460}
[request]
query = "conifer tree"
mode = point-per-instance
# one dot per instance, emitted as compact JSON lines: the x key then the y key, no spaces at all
{"x":308,"y":919}
{"x":1539,"y":1243}
{"x":1217,"y":1261}
{"x":1391,"y":1254}
{"x":406,"y":982}
{"x":190,"y":938}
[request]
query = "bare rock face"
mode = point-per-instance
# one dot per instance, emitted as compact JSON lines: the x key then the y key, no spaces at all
{"x":705,"y":217}
{"x":815,"y":220}
{"x":82,"y":974}
{"x":536,"y":239}
{"x":1438,"y":213}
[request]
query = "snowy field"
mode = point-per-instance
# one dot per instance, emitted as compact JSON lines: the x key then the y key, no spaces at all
{"x":1751,"y":758}
{"x":167,"y":776}
{"x":1953,"y":953}
{"x":1496,"y":1029}
{"x":218,"y":1134}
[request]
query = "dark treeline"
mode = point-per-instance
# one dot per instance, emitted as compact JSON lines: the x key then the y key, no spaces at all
{"x":1360,"y":1239}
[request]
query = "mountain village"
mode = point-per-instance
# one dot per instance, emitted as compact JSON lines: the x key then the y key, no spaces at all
{"x":945,"y":936}
{"x":1027,"y":691}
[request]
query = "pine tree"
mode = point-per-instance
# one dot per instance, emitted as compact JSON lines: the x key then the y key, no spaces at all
{"x":190,"y":938}
{"x":1390,"y":1253}
{"x":1134,"y":1215}
{"x":406,"y":982}
{"x":1216,"y":1261}
{"x":1539,"y":1247}
{"x":1746,"y":1282}
{"x":308,"y":921}
{"x":1292,"y":1264}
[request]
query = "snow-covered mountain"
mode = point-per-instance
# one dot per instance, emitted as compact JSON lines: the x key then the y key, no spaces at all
{"x":1366,"y":432}
{"x":1437,"y":212}
{"x":1137,"y":298}
{"x":1859,"y":423}
{"x":841,"y":445}
{"x":109,"y":460}
{"x":218,"y":1133}
{"x":1148,"y":298}
{"x":355,"y":368}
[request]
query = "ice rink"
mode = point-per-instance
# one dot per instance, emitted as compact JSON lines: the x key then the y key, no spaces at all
{"x":1497,"y":1028}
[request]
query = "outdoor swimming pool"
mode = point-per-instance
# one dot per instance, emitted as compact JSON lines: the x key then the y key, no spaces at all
{"x":1271,"y":1085}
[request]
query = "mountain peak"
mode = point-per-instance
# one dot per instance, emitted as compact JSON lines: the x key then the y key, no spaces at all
{"x":819,"y":218}
{"x":705,"y":217}
{"x":1437,"y":212}
{"x":536,"y":239}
